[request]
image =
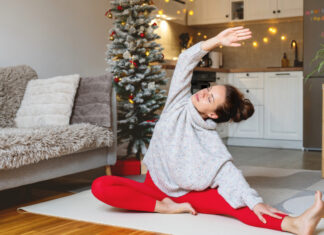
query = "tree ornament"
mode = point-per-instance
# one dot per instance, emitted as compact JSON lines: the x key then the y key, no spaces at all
{"x":118,"y":98}
{"x":131,"y":101}
{"x":146,"y":13}
{"x":117,"y":79}
{"x":131,"y":96}
{"x":147,"y":53}
{"x":123,"y":23}
{"x":108,"y":14}
{"x":111,"y":38}
{"x":133,"y":64}
{"x":119,"y":8}
{"x":142,"y":35}
{"x":154,"y":24}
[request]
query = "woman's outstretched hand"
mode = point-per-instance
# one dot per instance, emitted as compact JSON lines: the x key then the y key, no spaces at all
{"x":228,"y":37}
{"x":262,"y":208}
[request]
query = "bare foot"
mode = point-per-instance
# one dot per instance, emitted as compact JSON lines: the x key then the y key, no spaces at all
{"x":170,"y":207}
{"x":307,"y":222}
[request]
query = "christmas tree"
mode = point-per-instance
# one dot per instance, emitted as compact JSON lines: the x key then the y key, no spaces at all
{"x":135,"y":61}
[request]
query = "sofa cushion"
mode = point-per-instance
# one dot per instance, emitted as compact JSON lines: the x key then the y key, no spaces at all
{"x":13,"y":81}
{"x":93,"y":101}
{"x":48,"y":102}
{"x":23,"y":146}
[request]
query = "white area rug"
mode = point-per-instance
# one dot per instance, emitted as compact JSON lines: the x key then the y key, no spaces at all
{"x":289,"y":190}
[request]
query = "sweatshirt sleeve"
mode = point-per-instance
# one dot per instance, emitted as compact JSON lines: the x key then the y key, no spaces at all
{"x":233,"y":187}
{"x":181,"y":80}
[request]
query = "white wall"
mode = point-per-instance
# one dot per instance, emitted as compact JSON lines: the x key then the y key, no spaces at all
{"x":55,"y":37}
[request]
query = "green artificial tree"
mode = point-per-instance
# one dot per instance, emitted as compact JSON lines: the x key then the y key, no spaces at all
{"x":135,"y":61}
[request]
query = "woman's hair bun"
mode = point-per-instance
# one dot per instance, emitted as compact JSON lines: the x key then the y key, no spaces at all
{"x":244,"y":111}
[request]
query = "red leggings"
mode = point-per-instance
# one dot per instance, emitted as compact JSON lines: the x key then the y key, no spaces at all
{"x":132,"y":195}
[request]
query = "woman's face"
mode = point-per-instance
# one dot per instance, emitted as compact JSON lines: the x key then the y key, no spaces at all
{"x":207,"y":100}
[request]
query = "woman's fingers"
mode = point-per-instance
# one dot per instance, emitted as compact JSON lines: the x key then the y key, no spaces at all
{"x":259,"y":215}
{"x":273,"y":214}
{"x":243,"y":38}
{"x":278,"y":211}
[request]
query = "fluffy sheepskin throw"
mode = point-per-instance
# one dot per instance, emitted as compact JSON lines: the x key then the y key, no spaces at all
{"x":48,"y":102}
{"x":26,"y":146}
{"x":13,"y":81}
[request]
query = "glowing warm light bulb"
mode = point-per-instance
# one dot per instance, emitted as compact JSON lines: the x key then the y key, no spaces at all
{"x":255,"y":43}
{"x":160,"y":12}
{"x":166,"y":0}
{"x":293,"y":44}
{"x":272,"y":30}
{"x":220,"y":46}
{"x":191,"y":0}
{"x":178,"y":12}
{"x":265,"y":40}
{"x":184,"y":10}
{"x":283,"y":37}
{"x":199,"y":33}
{"x":205,"y":36}
{"x":191,"y":12}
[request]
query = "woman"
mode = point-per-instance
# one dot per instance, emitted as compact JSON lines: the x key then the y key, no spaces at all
{"x":189,"y":167}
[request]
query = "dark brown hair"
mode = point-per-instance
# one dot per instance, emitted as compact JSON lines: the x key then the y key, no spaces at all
{"x":235,"y":108}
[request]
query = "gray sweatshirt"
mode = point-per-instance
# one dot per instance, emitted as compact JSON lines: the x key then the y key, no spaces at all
{"x":186,"y":152}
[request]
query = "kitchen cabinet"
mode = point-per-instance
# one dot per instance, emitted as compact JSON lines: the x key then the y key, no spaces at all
{"x":283,"y":105}
{"x":222,"y":11}
{"x":209,"y":12}
{"x":251,"y":86}
{"x":268,"y":9}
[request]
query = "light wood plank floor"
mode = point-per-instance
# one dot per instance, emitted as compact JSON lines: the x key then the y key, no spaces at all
{"x":12,"y":222}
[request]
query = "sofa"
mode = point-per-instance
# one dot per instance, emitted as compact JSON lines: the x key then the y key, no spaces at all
{"x":29,"y":155}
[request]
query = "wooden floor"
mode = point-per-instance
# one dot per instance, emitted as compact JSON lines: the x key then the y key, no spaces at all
{"x":13,"y":222}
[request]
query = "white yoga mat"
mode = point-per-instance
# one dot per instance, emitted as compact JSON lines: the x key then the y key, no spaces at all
{"x":84,"y":206}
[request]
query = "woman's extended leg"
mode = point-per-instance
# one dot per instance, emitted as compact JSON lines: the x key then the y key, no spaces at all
{"x":210,"y":202}
{"x":132,"y":195}
{"x":125,"y":193}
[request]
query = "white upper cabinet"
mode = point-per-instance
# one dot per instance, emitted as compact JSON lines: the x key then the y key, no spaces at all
{"x":260,"y":9}
{"x":222,"y":11}
{"x":209,"y":12}
{"x":268,"y":9}
{"x":288,"y":8}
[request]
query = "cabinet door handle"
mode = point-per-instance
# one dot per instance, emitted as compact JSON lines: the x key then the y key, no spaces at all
{"x":217,"y":78}
{"x":226,"y":16}
{"x":247,"y":74}
{"x":247,"y":91}
{"x":274,"y":12}
{"x":278,"y":11}
{"x":282,"y":73}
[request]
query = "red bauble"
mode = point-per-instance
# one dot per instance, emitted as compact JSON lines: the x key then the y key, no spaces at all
{"x":142,"y":35}
{"x":112,"y":34}
{"x":154,"y":24}
{"x":116,"y":79}
{"x":119,"y":8}
{"x":131,"y":97}
{"x":132,"y":62}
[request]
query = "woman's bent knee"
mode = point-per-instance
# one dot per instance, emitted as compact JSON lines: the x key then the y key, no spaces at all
{"x":101,"y":185}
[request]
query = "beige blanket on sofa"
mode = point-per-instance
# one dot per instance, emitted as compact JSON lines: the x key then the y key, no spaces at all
{"x":20,"y":146}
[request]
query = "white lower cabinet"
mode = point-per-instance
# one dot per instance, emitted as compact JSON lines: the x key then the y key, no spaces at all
{"x":250,"y":128}
{"x":278,"y":103}
{"x":283,"y":102}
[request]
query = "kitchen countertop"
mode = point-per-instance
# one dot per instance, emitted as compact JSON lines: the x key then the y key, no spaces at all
{"x":239,"y":70}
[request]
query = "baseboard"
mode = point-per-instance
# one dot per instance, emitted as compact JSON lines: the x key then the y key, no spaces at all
{"x":267,"y":143}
